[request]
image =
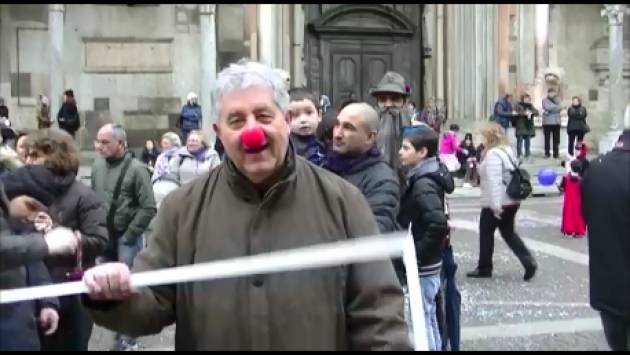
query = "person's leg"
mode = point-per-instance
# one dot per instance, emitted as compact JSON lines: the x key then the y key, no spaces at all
{"x":512,"y":239}
{"x":519,"y":146}
{"x":571,"y":136}
{"x":430,"y":286}
{"x":487,"y":226}
{"x":547,"y":133}
{"x":556,"y":141}
{"x":616,"y":330}
{"x":527,"y":146}
{"x":127,"y":253}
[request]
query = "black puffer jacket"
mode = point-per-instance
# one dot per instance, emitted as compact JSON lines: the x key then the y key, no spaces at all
{"x":72,"y":205}
{"x":423,"y":206}
{"x":20,"y":266}
{"x":605,"y":206}
{"x":79,"y":209}
{"x":577,"y":119}
{"x":379,"y":184}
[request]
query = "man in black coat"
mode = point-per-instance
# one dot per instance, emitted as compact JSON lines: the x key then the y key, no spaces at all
{"x":356,"y":158}
{"x":606,"y":207}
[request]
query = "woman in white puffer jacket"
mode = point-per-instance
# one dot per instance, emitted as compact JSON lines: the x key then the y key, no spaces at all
{"x":497,"y":208}
{"x":193,"y":160}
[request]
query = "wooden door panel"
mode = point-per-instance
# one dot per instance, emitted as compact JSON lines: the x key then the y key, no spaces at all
{"x":374,"y":65}
{"x":346,"y":77}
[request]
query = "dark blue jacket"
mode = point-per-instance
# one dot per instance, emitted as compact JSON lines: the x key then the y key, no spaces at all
{"x":503,"y":110}
{"x":309,"y":148}
{"x":190,"y":117}
{"x":19,"y":321}
{"x":374,"y":177}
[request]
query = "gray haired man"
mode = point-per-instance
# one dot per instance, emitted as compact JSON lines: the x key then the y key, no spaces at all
{"x":124,"y":184}
{"x":262,"y":198}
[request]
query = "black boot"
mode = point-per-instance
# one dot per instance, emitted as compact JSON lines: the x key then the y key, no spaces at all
{"x":530,"y":267}
{"x":479,"y":273}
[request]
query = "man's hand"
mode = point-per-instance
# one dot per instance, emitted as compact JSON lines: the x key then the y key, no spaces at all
{"x":25,"y":207}
{"x":61,"y":240}
{"x":48,"y":320}
{"x":110,"y":281}
{"x":43,"y":222}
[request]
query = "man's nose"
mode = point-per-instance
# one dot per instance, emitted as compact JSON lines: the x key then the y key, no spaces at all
{"x":251,"y":122}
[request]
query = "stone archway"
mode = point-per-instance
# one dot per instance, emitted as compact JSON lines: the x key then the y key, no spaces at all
{"x":349,"y":48}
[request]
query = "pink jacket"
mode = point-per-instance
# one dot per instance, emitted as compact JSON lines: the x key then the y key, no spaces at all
{"x":449,"y":143}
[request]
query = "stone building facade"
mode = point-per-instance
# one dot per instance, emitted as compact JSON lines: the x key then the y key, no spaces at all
{"x":135,"y":64}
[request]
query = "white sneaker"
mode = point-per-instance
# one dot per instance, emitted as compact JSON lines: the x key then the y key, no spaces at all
{"x":467,"y":185}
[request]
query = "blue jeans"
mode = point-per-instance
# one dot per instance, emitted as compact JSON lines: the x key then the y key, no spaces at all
{"x":126,"y":253}
{"x":519,"y":145}
{"x":430,"y":287}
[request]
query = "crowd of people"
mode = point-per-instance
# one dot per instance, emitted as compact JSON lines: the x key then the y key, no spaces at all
{"x":289,"y":168}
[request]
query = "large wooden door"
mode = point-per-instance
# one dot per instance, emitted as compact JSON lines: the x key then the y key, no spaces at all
{"x":355,"y":70}
{"x":374,"y":65}
{"x":348,"y":48}
{"x":346,"y":77}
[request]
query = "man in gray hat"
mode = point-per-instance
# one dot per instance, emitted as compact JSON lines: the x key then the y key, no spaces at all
{"x":390,"y":97}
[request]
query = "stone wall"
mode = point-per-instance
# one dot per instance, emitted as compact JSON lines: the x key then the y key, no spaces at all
{"x":581,"y":30}
{"x":128,"y":64}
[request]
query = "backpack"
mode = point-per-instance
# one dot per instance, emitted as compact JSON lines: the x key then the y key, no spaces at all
{"x":519,"y":187}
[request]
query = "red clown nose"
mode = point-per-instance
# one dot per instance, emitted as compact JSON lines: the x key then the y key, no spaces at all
{"x":253,"y":138}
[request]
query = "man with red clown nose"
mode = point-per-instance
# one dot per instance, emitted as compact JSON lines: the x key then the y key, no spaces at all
{"x":262,"y":198}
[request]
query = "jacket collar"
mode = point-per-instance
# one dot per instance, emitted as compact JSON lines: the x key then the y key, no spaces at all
{"x":624,"y":141}
{"x":345,"y":164}
{"x":246,"y":190}
{"x":424,"y":167}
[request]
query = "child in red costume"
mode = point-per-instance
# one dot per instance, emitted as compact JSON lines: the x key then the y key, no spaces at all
{"x":572,"y":221}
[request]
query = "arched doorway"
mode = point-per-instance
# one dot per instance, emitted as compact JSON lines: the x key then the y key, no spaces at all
{"x":348,"y":48}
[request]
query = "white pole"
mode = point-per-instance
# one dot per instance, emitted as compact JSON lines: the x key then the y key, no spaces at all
{"x":418,"y":324}
{"x":356,"y":250}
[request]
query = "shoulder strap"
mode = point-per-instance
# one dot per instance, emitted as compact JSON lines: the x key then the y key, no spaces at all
{"x":509,"y":158}
{"x":114,"y":205}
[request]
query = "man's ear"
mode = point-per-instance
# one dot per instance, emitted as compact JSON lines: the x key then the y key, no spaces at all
{"x":217,"y":130}
{"x":372,"y":137}
{"x":423,"y":152}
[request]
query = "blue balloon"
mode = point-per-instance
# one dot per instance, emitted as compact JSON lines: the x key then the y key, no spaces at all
{"x":547,"y":176}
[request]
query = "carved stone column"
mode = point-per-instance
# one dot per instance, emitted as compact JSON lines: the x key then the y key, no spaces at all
{"x":616,"y":99}
{"x":55,"y":59}
{"x":208,"y":36}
